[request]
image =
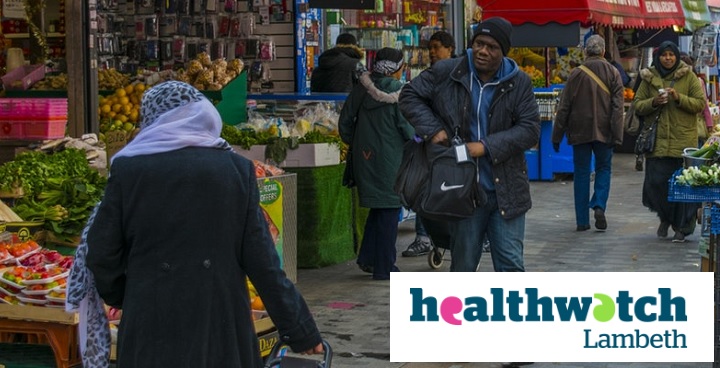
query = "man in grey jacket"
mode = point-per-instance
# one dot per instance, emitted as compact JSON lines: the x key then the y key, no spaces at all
{"x":590,"y":114}
{"x":492,"y":101}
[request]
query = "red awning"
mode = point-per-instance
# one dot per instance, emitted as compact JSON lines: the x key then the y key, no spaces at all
{"x":617,"y":13}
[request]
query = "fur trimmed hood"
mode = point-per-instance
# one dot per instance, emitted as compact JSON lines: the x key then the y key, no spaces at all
{"x":384,"y":90}
{"x":682,"y":70}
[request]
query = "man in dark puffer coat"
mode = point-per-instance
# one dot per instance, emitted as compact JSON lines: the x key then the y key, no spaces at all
{"x":338,"y":68}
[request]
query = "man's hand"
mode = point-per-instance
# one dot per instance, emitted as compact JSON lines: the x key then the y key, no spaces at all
{"x":440,"y":138}
{"x":556,"y":147}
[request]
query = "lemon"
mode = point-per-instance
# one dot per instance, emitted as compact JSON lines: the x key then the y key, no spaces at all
{"x":128,"y":127}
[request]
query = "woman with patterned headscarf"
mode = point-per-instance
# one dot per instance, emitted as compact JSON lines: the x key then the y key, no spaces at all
{"x":681,"y":99}
{"x":371,"y":123}
{"x":171,"y":244}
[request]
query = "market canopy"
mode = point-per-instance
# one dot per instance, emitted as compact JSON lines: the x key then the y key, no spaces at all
{"x":616,"y":13}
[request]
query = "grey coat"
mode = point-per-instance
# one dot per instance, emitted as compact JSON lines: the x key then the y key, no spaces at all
{"x":172,"y":243}
{"x":440,"y":96}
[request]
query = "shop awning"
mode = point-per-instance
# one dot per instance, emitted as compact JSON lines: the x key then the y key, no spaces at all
{"x":616,"y":13}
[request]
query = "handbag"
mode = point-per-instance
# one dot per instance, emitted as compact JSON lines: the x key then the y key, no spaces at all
{"x":438,"y":182}
{"x":645,"y":142}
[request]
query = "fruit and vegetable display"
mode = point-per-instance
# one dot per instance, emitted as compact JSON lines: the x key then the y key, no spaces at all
{"x":60,"y":189}
{"x":212,"y":75}
{"x":255,"y":302}
{"x":121,"y":110}
{"x":705,"y":175}
{"x":35,"y":276}
{"x":628,"y":94}
{"x":51,"y":83}
{"x":536,"y":75}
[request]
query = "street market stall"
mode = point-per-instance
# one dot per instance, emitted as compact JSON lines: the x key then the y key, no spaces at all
{"x":556,"y":29}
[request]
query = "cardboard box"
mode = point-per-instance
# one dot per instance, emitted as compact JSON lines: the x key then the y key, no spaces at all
{"x":267,"y":341}
{"x":306,"y":155}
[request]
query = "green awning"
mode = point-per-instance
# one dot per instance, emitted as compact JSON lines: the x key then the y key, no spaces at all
{"x":697,"y":14}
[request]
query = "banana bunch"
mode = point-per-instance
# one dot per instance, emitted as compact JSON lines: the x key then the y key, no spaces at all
{"x":52,"y":82}
{"x":111,"y":79}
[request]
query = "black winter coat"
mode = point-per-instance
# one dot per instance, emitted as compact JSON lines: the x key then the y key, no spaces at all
{"x":440,"y":96}
{"x":173,"y":240}
{"x":338,"y":70}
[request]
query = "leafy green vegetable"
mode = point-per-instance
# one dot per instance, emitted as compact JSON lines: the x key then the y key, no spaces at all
{"x":60,"y":188}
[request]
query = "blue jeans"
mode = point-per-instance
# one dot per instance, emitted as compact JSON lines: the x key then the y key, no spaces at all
{"x":506,"y":240}
{"x":419,"y":227}
{"x":582,"y":158}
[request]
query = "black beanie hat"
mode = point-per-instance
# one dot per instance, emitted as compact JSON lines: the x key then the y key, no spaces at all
{"x":346,"y":39}
{"x":498,"y":28}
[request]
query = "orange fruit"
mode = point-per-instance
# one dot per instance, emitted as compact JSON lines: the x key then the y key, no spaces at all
{"x":257,"y":304}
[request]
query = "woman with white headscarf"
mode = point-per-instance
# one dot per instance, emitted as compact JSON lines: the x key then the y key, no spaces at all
{"x":372,"y":124}
{"x":177,"y":232}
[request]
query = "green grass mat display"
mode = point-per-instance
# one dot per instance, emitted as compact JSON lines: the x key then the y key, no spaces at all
{"x":324,"y":217}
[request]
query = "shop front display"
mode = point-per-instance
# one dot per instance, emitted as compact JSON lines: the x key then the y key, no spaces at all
{"x":325,"y":209}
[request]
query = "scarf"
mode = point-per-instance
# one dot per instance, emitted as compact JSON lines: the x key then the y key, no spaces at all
{"x":175,"y":115}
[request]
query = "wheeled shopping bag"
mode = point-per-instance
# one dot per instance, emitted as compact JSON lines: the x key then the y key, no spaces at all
{"x":279,"y":359}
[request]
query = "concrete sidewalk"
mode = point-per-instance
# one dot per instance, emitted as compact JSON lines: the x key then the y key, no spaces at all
{"x":352,"y":310}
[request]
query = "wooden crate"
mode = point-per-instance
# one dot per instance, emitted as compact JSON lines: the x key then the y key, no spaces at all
{"x":40,"y":325}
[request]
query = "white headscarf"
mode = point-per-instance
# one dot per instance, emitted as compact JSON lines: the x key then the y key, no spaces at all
{"x":175,"y":115}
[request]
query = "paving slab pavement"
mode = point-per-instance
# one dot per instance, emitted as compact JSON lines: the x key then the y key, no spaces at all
{"x":352,"y":310}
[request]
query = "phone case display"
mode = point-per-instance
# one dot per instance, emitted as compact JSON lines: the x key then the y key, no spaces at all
{"x":161,"y":35}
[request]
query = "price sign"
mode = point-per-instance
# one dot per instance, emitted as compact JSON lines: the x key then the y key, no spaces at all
{"x":13,"y":9}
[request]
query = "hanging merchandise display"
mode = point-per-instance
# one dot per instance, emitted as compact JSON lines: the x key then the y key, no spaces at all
{"x":704,"y":43}
{"x":402,"y":24}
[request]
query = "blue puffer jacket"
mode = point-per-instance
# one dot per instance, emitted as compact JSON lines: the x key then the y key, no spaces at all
{"x":441,"y":95}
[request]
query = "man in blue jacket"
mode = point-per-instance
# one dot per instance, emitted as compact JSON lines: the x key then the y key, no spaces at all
{"x":493,"y":102}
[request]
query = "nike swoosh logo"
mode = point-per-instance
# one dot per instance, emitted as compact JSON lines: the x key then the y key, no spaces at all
{"x":445,"y":188}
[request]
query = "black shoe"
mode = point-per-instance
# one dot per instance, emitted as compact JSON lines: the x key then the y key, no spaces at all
{"x":582,"y":227}
{"x":366,"y":268}
{"x":419,"y":247}
{"x":679,"y":237}
{"x":662,"y":231}
{"x":600,"y":221}
{"x":514,"y":365}
{"x":638,"y":163}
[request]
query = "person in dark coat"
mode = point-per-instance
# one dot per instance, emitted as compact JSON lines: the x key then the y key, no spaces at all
{"x":371,"y":123}
{"x":339,"y":68}
{"x":590,"y":114}
{"x":177,"y":233}
{"x":493,"y":100}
